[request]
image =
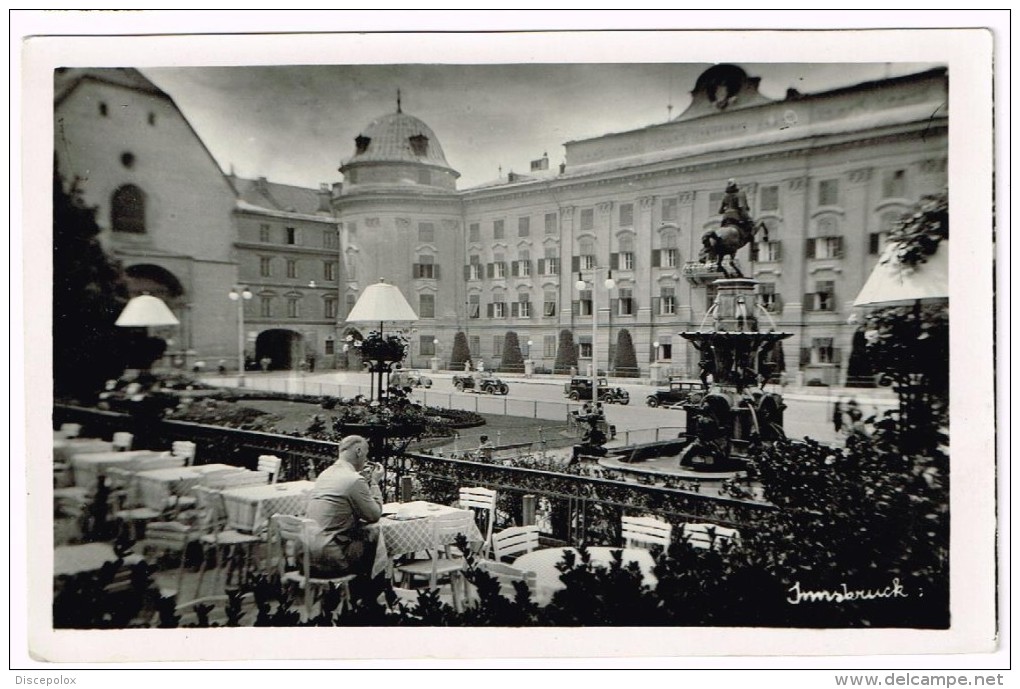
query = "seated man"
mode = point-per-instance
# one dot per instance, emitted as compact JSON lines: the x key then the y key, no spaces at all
{"x":342,"y":501}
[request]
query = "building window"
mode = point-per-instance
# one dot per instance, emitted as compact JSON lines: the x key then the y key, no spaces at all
{"x":424,"y":177}
{"x":766,"y":252}
{"x":549,"y":303}
{"x":329,"y":308}
{"x":474,"y":306}
{"x":127,"y":210}
{"x":825,"y":247}
{"x":828,"y":192}
{"x":427,"y":345}
{"x":550,"y":265}
{"x":625,"y":259}
{"x":103,"y":110}
{"x":474,"y":232}
{"x":330,"y":240}
{"x":475,"y":345}
{"x":419,"y":144}
{"x":876,"y":240}
{"x":425,"y":268}
{"x":497,"y":346}
{"x":584,"y":303}
{"x":549,"y":346}
{"x":426,"y":306}
{"x":291,"y":268}
{"x":625,"y":303}
{"x":523,"y":227}
{"x":292,"y":235}
{"x":550,"y":223}
{"x":524,"y":308}
{"x":626,"y":215}
{"x":669,"y":210}
{"x":266,"y":267}
{"x":127,"y":159}
{"x":361,"y":143}
{"x":497,"y":229}
{"x":329,"y":270}
{"x":522,"y":266}
{"x":823,"y":298}
{"x":264,"y":233}
{"x":497,"y":309}
{"x":669,"y":255}
{"x":266,"y":307}
{"x":667,"y":301}
{"x":329,"y":346}
{"x":768,"y":200}
{"x":584,"y":347}
{"x":474,"y":268}
{"x":894,"y":184}
{"x":587,"y":248}
{"x":498,"y":266}
{"x":822,"y":350}
{"x":293,"y":307}
{"x":426,"y":232}
{"x":587,"y":219}
{"x":769,"y":298}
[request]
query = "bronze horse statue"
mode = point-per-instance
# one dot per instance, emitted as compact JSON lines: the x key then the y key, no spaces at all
{"x":736,"y":231}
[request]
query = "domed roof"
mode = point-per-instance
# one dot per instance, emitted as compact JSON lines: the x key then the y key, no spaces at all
{"x":398,"y":138}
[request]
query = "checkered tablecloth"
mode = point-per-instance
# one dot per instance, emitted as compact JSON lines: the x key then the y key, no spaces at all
{"x":157,"y":485}
{"x":88,"y":467}
{"x":249,"y":508}
{"x":409,"y":531}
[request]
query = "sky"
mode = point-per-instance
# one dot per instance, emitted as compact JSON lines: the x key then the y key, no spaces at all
{"x":295,"y":124}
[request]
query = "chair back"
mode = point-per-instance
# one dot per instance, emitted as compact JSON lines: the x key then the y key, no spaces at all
{"x":484,"y":501}
{"x":184,"y":448}
{"x":507,"y":576}
{"x":709,"y":536}
{"x":514,"y":541}
{"x":122,"y":441}
{"x":70,"y":430}
{"x":297,"y":531}
{"x":270,"y":464}
{"x":640,"y":532}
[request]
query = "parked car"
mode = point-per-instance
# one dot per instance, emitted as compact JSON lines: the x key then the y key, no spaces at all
{"x":409,"y":379}
{"x":486,"y":383}
{"x":579,"y":388}
{"x":680,"y":391}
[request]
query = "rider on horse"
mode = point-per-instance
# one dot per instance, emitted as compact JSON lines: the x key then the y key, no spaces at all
{"x":735,"y":212}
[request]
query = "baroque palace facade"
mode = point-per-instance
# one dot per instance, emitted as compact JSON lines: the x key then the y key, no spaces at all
{"x":827,"y":172}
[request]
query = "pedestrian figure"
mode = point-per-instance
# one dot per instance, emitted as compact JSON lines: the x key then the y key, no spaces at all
{"x":837,"y":416}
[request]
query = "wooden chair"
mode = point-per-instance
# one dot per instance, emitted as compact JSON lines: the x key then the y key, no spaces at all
{"x":514,"y":541}
{"x":442,"y":563}
{"x":122,"y":441}
{"x":184,"y":448}
{"x":70,"y":430}
{"x":130,"y":512}
{"x":299,"y":533}
{"x":230,"y":547}
{"x":172,"y":537}
{"x":641,"y":532}
{"x":507,"y":576}
{"x":709,"y":536}
{"x":484,"y":501}
{"x":270,"y":464}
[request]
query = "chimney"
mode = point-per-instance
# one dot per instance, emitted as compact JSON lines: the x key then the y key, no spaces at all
{"x":262,"y":184}
{"x":540,"y":164}
{"x":338,"y":189}
{"x":324,"y":199}
{"x":563,"y":168}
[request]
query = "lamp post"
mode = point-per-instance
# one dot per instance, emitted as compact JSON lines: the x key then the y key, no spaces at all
{"x":581,"y":284}
{"x":240,"y":294}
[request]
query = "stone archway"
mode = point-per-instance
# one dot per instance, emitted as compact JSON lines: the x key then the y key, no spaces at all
{"x":157,"y":281}
{"x":350,"y":358}
{"x":285,"y":349}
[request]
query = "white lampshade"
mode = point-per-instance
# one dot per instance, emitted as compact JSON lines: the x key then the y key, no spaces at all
{"x":890,"y":283}
{"x":381,"y":302}
{"x":146,"y":311}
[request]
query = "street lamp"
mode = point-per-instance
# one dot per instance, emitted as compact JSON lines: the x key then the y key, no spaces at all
{"x":240,"y":294}
{"x":529,"y":347}
{"x":581,"y":285}
{"x":655,"y":348}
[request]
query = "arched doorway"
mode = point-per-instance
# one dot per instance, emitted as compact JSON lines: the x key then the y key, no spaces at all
{"x":351,"y":349}
{"x":148,"y":278}
{"x":284,"y":349}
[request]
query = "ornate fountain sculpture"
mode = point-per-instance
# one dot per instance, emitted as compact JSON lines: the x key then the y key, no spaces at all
{"x":737,"y":359}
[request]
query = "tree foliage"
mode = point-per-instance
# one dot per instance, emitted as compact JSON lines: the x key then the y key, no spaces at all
{"x":88,"y":295}
{"x":566,"y":353}
{"x":626,"y":364}
{"x":461,"y":350}
{"x":513,"y":360}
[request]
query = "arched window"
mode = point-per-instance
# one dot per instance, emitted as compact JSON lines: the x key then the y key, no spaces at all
{"x":127,"y":210}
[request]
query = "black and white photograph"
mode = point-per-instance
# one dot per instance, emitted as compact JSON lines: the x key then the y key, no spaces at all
{"x":425,"y":335}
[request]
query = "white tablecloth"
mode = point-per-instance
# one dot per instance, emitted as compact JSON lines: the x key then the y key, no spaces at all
{"x":88,"y":467}
{"x":409,"y":530}
{"x":157,"y":485}
{"x":249,"y":508}
{"x":547,"y":577}
{"x":69,"y":560}
{"x":65,"y":449}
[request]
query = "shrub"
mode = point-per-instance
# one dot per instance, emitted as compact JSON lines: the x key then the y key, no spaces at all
{"x":512,"y":359}
{"x":626,"y":364}
{"x":461,"y":351}
{"x":566,"y":353}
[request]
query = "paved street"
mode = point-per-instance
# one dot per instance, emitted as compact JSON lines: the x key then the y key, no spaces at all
{"x":807,"y":414}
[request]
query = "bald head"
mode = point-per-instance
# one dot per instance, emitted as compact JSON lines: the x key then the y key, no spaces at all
{"x":353,"y":449}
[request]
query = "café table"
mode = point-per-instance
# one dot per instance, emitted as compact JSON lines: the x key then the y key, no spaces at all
{"x":547,"y":576}
{"x":250,"y":507}
{"x":65,"y":448}
{"x":407,"y":528}
{"x":88,"y":466}
{"x":156,"y":486}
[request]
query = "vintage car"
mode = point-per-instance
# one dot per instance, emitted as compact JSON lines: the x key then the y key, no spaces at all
{"x":680,"y":391}
{"x":486,"y":383}
{"x":579,"y":388}
{"x":405,"y":378}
